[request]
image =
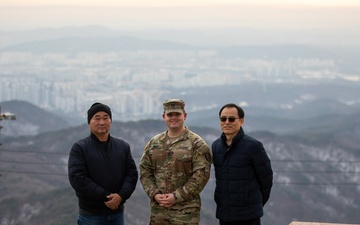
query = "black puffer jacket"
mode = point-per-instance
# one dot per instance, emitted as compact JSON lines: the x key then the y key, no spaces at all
{"x":243,"y":178}
{"x":97,"y":169}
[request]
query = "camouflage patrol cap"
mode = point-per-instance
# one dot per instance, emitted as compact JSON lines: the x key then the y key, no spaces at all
{"x":174,"y":105}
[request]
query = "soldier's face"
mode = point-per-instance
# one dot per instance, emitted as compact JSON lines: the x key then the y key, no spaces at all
{"x":174,"y":119}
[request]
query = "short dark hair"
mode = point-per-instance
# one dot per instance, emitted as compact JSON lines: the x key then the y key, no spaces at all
{"x":241,"y":112}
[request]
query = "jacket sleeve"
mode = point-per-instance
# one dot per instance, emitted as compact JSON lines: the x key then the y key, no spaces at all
{"x":78,"y":176}
{"x":131,"y":176}
{"x":202,"y":160}
{"x":263,"y":172}
{"x":147,"y":176}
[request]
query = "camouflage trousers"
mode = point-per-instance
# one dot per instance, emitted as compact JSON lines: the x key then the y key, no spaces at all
{"x":169,"y":216}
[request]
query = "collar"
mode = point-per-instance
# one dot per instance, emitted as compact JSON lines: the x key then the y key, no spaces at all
{"x":183,"y":136}
{"x":93,"y":136}
{"x":236,"y":138}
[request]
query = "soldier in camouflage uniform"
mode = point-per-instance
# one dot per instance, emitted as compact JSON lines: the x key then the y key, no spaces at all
{"x":174,"y":169}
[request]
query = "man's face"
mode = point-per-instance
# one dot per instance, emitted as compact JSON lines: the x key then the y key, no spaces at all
{"x":100,"y":123}
{"x":174,"y":119}
{"x":230,"y":123}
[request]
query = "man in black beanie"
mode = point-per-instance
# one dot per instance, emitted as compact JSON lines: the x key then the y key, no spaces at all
{"x":102,"y":171}
{"x":97,"y":107}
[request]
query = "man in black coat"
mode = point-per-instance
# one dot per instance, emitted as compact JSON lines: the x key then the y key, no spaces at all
{"x":242,"y":170}
{"x":102,"y":171}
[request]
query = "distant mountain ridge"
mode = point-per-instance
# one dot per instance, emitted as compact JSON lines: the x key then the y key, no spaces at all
{"x":224,"y":37}
{"x":319,"y":115}
{"x":73,"y":45}
{"x":244,"y":43}
{"x":30,"y":119}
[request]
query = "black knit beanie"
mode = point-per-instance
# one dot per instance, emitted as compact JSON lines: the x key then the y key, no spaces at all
{"x":97,"y":107}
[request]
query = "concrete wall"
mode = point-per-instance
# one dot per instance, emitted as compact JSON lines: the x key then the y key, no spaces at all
{"x":314,"y":223}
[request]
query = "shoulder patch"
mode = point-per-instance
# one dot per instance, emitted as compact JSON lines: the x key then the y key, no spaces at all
{"x":208,"y":156}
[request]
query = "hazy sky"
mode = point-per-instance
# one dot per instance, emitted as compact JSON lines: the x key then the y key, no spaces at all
{"x":170,"y":2}
{"x":183,"y":14}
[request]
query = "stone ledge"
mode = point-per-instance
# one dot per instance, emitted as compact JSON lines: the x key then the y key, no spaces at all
{"x":315,"y":223}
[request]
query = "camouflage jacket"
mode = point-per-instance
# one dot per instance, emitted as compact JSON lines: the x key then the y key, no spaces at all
{"x":181,"y":167}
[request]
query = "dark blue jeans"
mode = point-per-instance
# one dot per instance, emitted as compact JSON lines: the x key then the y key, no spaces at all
{"x":247,"y":222}
{"x":113,"y":219}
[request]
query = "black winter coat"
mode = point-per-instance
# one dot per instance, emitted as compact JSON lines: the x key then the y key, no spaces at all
{"x":243,"y":178}
{"x":97,"y":169}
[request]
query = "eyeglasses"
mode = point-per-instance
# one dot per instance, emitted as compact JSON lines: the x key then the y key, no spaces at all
{"x":231,"y":119}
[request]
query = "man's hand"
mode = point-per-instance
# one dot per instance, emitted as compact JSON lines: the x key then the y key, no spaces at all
{"x":165,"y":200}
{"x":114,"y":201}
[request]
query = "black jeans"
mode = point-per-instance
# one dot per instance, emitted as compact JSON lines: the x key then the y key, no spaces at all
{"x":246,"y":222}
